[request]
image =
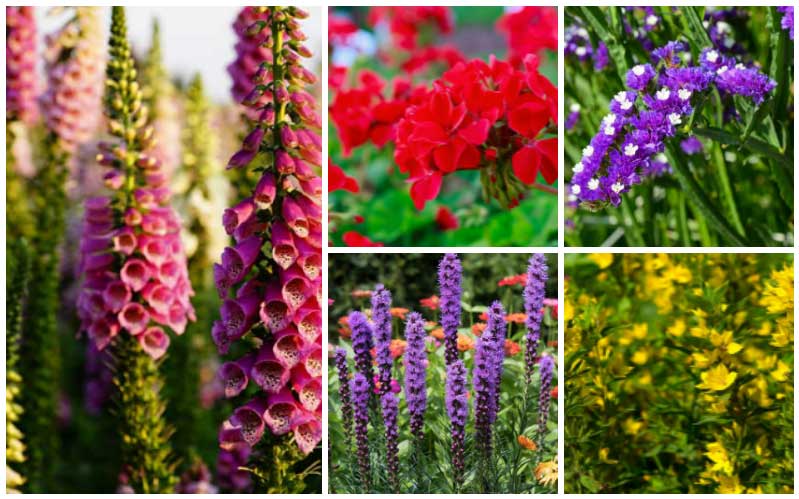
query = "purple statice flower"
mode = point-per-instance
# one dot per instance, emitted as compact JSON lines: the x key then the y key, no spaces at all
{"x":381,"y":320}
{"x":534,"y":291}
{"x":361,"y":391}
{"x":578,"y":44}
{"x":457,"y":401}
{"x":389,"y":404}
{"x":573,"y":117}
{"x":602,"y":57}
{"x":546,"y":368}
{"x":787,"y":19}
{"x":415,"y":372}
{"x":484,"y":379}
{"x":362,"y":345}
{"x":499,"y":326}
{"x":344,"y":390}
{"x":625,"y":149}
{"x":449,"y":283}
{"x":691,"y":145}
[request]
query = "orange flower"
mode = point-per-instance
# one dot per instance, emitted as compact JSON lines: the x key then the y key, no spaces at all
{"x":362,"y":293}
{"x":430,"y":302}
{"x":397,"y":348}
{"x":511,"y":348}
{"x":478,"y":328}
{"x":552,"y":344}
{"x":512,"y":280}
{"x":554,"y":393}
{"x":430,"y":324}
{"x":399,"y":312}
{"x":465,"y":343}
{"x":437,"y":333}
{"x":526,"y":443}
{"x":517,"y":318}
{"x":344,"y":329}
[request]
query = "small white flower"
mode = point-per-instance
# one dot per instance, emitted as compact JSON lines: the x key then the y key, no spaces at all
{"x":721,"y":70}
{"x":575,"y":189}
{"x":617,"y":187}
{"x":684,"y":94}
{"x":729,"y":42}
{"x":580,"y":51}
{"x":626,"y":105}
{"x":675,"y":119}
{"x":706,"y":24}
{"x":723,"y":27}
{"x":588,"y":151}
{"x":730,"y":156}
{"x":582,"y":32}
{"x":630,"y":149}
{"x":712,"y":56}
{"x":638,"y":70}
{"x":661,"y":158}
{"x":663,"y":94}
{"x":593,"y":184}
{"x":609,"y":119}
{"x":609,"y":130}
{"x":579,"y":167}
{"x":574,"y":108}
{"x":740,"y":66}
{"x":571,"y":198}
{"x":652,"y":20}
{"x":620,"y":97}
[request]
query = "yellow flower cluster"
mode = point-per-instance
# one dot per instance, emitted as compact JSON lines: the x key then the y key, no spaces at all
{"x":679,"y":373}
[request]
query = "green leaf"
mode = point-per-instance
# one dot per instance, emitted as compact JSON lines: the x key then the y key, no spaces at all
{"x":752,"y":144}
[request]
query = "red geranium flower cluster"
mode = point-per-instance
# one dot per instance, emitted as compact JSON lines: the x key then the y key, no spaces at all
{"x":339,"y":28}
{"x":518,"y":26}
{"x":481,"y":115}
{"x":361,"y":114}
{"x":407,"y":23}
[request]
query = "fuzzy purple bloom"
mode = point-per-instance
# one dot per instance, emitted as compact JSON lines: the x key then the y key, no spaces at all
{"x":457,"y":401}
{"x":344,"y":390}
{"x":381,"y":319}
{"x":449,"y":283}
{"x":638,"y":77}
{"x":361,"y":392}
{"x":415,"y":372}
{"x":748,"y":82}
{"x":534,"y":291}
{"x":787,"y":19}
{"x":362,"y":344}
{"x":691,"y":145}
{"x":389,"y":404}
{"x":546,"y":368}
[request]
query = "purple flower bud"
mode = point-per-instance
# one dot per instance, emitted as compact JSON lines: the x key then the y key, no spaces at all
{"x":458,"y":411}
{"x":361,"y":391}
{"x":449,"y":284}
{"x":381,"y":318}
{"x":344,"y":391}
{"x":253,"y":141}
{"x":533,"y":293}
{"x":389,"y":404}
{"x":287,"y":137}
{"x":415,"y":372}
{"x":545,"y":371}
{"x":362,"y":344}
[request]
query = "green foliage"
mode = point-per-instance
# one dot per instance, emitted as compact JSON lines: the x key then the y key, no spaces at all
{"x":279,"y":467}
{"x":146,"y":452}
{"x":739,"y":190}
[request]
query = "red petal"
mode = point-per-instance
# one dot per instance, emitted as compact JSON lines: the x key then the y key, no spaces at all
{"x":353,"y":238}
{"x":549,"y":159}
{"x":428,"y":131}
{"x":526,"y":162}
{"x":448,"y":156}
{"x":425,"y":189}
{"x":476,"y":133}
{"x":445,"y":219}
{"x":380,"y":134}
{"x":337,"y":179}
{"x":529,"y":118}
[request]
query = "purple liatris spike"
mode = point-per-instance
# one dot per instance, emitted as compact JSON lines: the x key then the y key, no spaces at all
{"x":415,"y":372}
{"x":381,"y":320}
{"x":362,"y":345}
{"x":499,"y":329}
{"x":389,"y":404}
{"x":344,"y":391}
{"x":458,"y":411}
{"x":546,"y":369}
{"x":360,"y":396}
{"x":449,"y":283}
{"x":483,"y":379}
{"x":534,"y":291}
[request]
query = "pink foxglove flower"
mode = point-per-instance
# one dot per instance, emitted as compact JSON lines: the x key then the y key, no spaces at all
{"x":22,"y":84}
{"x":270,"y":278}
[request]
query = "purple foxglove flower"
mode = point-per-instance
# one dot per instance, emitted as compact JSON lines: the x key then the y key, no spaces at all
{"x":362,"y":344}
{"x":449,"y":284}
{"x":381,"y":319}
{"x":361,"y":391}
{"x":534,"y":291}
{"x":415,"y":372}
{"x":389,"y":405}
{"x":787,"y":19}
{"x":457,"y":401}
{"x":344,"y":391}
{"x":546,"y":369}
